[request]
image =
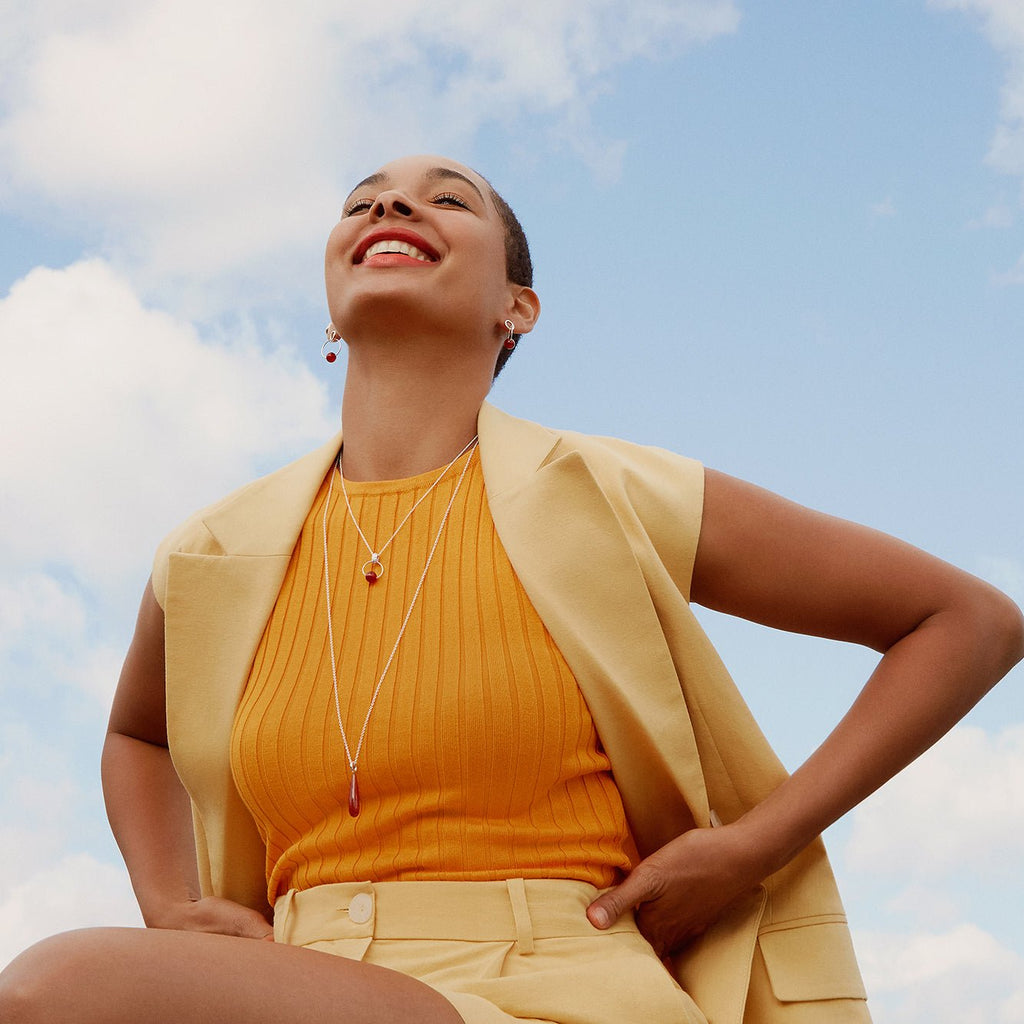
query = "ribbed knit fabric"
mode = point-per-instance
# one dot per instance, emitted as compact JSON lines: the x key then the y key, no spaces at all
{"x":481,"y":760}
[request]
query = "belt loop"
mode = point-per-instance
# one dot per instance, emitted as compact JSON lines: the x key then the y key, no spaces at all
{"x":282,"y":912}
{"x":521,"y":915}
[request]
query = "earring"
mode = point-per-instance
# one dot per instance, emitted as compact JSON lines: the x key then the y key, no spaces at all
{"x":333,"y":338}
{"x":510,"y":341}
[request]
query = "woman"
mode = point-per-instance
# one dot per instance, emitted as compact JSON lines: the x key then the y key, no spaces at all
{"x":382,"y":677}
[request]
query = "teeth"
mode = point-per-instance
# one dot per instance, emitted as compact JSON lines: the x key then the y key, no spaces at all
{"x":391,"y":245}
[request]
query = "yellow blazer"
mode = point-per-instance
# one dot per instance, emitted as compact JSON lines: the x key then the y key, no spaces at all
{"x":602,"y":534}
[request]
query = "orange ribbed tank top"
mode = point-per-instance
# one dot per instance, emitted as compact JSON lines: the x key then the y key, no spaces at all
{"x":481,"y":760}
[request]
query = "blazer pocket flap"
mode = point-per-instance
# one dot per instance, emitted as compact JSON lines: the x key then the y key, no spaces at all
{"x":808,"y":962}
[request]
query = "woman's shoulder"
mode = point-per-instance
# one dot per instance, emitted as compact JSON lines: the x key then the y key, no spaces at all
{"x":657,"y":494}
{"x":619,"y":465}
{"x":600,"y":447}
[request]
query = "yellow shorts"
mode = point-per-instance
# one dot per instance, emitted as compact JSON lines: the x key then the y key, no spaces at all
{"x":500,"y":952}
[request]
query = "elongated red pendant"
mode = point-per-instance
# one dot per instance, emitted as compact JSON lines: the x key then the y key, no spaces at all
{"x":353,"y":797}
{"x":371,"y":577}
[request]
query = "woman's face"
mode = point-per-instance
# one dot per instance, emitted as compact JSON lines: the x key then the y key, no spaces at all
{"x":419,"y":247}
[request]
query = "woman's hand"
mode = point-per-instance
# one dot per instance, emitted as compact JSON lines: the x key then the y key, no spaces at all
{"x":213,"y":914}
{"x":683,"y":888}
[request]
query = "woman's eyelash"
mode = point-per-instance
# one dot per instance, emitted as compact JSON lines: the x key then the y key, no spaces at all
{"x":442,"y":198}
{"x":450,"y":197}
{"x":356,"y":205}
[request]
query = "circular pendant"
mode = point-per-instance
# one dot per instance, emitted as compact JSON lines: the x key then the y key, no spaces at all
{"x":372,"y":569}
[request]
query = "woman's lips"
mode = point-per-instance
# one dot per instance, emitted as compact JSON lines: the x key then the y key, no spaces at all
{"x":395,"y":247}
{"x":393,"y":259}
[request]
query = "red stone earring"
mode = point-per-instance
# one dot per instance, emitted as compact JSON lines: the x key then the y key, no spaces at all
{"x":333,"y":338}
{"x":510,"y":341}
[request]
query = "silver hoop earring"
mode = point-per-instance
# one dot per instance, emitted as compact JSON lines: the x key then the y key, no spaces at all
{"x":510,"y":341}
{"x":333,"y":338}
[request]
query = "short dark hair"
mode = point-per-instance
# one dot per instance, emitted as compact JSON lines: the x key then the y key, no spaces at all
{"x":518,"y":265}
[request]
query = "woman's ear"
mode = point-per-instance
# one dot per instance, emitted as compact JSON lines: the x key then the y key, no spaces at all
{"x":524,"y":309}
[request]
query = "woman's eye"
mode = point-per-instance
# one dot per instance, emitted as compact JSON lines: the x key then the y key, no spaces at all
{"x":450,"y":199}
{"x":358,"y":206}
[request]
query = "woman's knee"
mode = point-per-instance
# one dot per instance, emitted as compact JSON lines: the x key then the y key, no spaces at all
{"x":23,"y":983}
{"x":39,"y":985}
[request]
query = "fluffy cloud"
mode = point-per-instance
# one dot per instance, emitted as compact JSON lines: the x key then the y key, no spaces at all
{"x":57,"y":864}
{"x":960,"y":806}
{"x":1002,"y":21}
{"x":1003,"y":24}
{"x":121,"y":419}
{"x":962,"y":975}
{"x":51,"y":645}
{"x":78,"y":891}
{"x":206,"y":138}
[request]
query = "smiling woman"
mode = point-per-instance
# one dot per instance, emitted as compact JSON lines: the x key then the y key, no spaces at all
{"x":422,"y":727}
{"x":424,"y":214}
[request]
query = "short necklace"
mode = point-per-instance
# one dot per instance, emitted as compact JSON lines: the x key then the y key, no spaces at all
{"x":373,"y":568}
{"x":353,"y":759}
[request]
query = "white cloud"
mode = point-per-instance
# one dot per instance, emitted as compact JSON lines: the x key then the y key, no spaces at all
{"x":958,"y":807}
{"x":50,"y":812}
{"x":77,"y":891}
{"x":1012,"y":276}
{"x":926,"y":906}
{"x":49,"y":645}
{"x":207,"y":137}
{"x":120,"y":420}
{"x":999,"y":215}
{"x":961,"y":975}
{"x":44,"y":800}
{"x":36,"y":602}
{"x":1002,"y":22}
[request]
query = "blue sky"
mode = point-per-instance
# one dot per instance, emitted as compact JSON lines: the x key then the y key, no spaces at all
{"x":785,"y":239}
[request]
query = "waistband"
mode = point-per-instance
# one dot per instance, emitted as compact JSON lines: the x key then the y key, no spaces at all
{"x":516,"y":910}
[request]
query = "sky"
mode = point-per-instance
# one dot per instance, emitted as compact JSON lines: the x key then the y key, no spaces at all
{"x":785,"y":239}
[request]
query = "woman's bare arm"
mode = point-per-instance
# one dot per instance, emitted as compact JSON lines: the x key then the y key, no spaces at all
{"x":946,"y":639}
{"x":149,"y":810}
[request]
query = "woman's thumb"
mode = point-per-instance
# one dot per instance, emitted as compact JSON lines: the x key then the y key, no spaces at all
{"x":611,"y":905}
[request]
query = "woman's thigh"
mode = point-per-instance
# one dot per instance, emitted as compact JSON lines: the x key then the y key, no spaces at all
{"x":149,"y":976}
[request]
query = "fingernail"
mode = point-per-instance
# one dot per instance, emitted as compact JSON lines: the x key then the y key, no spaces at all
{"x":599,"y":916}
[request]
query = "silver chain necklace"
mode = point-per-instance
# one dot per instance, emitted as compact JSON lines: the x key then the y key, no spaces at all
{"x":373,"y":568}
{"x":353,"y":759}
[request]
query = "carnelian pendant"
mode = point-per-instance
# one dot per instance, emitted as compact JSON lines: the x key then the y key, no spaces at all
{"x":353,"y":797}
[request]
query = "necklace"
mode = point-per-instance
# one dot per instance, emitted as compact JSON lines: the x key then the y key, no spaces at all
{"x":373,"y":568}
{"x":353,"y":759}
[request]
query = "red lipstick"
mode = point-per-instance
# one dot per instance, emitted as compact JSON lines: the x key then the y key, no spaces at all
{"x":398,"y":235}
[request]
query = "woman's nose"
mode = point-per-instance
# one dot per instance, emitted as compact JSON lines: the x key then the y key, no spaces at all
{"x":391,"y":201}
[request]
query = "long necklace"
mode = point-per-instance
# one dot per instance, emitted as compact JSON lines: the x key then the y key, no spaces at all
{"x":373,"y":568}
{"x":353,"y":759}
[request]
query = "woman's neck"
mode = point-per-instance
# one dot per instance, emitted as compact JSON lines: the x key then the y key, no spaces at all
{"x":400,"y":421}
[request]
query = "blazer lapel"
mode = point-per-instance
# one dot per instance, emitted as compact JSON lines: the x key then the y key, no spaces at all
{"x":217,"y":604}
{"x":576,"y":564}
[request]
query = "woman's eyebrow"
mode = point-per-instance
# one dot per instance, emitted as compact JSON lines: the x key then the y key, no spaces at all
{"x":441,"y":173}
{"x":377,"y":178}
